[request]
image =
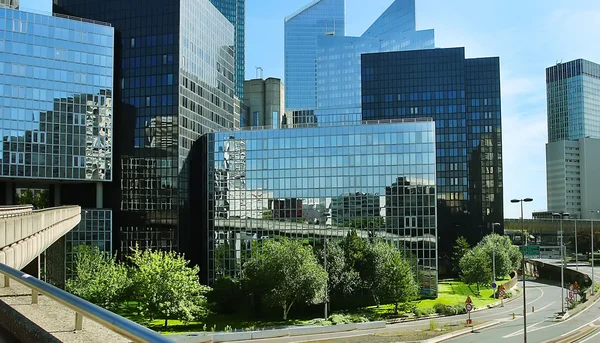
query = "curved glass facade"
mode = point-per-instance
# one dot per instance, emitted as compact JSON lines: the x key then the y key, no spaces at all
{"x":56,"y":97}
{"x":318,"y":183}
{"x":321,"y":17}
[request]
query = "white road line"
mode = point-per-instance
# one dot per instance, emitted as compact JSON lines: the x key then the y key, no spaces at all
{"x":587,"y":339}
{"x":513,"y":310}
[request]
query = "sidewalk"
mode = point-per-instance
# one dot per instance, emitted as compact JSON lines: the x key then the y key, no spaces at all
{"x":49,"y":316}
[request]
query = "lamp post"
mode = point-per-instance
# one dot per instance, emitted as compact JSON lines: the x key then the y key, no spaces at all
{"x":592,"y":240}
{"x":561,"y":215}
{"x":523,"y":265}
{"x":494,"y":256}
{"x":576,"y":261}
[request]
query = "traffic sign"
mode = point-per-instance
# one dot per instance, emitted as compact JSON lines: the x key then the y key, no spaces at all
{"x":570,"y":294}
{"x":501,"y":287}
{"x":468,"y":307}
{"x":586,"y":277}
{"x":531,"y":250}
{"x":575,"y":285}
{"x":468,"y":301}
{"x":502,"y":293}
{"x":493,"y":285}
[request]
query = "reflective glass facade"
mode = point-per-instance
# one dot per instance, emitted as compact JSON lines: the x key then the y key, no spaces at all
{"x":573,"y":94}
{"x":338,"y":70}
{"x":463,"y":97}
{"x":315,"y":183}
{"x":320,"y":17}
{"x":56,"y":97}
{"x":176,"y":72}
{"x":235,"y":12}
{"x":95,"y":229}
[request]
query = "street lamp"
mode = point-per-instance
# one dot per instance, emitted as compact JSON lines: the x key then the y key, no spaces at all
{"x":494,"y":256}
{"x":592,"y":240}
{"x":523,"y":265}
{"x":562,"y":260}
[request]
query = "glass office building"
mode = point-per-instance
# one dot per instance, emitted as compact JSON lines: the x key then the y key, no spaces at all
{"x":316,"y":183}
{"x":176,"y":72}
{"x":235,"y":12}
{"x":573,"y":94}
{"x":302,"y":28}
{"x":463,"y":96}
{"x":338,"y":73}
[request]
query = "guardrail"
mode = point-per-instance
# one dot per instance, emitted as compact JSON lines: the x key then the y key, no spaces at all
{"x":83,"y":308}
{"x":15,"y":211}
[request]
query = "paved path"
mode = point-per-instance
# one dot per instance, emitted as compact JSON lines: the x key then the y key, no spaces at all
{"x":54,"y":318}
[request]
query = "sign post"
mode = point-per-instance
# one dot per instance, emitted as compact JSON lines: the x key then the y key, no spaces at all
{"x":501,"y":293}
{"x":469,"y":307}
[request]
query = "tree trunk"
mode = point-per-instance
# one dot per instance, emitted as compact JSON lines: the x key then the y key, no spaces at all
{"x":396,"y":308}
{"x":284,"y":312}
{"x":166,"y":321}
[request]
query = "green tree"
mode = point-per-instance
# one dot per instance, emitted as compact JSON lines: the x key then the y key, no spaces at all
{"x":355,"y":253}
{"x":165,"y":286}
{"x":343,"y":279}
{"x":584,"y":241}
{"x":98,"y":278}
{"x":393,"y":280}
{"x":39,"y":200}
{"x":507,"y":256}
{"x":475,"y":269}
{"x":286,"y":272}
{"x":461,"y":247}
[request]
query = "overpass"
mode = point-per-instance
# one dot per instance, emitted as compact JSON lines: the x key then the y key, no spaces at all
{"x":24,"y":234}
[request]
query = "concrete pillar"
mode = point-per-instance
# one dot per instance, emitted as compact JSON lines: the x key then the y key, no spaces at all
{"x":99,"y":195}
{"x":33,"y":268}
{"x":9,"y":196}
{"x":56,"y":195}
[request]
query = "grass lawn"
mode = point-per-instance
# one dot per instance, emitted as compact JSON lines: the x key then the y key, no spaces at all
{"x":450,"y":292}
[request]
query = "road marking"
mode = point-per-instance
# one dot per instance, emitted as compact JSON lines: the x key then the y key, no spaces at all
{"x":587,"y":339}
{"x":511,"y":310}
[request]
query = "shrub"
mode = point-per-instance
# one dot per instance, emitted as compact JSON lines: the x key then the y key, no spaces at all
{"x":420,"y":312}
{"x":319,"y":322}
{"x":449,"y":310}
{"x":337,"y":319}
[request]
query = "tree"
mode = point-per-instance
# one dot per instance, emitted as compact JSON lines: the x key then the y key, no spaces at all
{"x":500,"y":248}
{"x":343,"y":279}
{"x":461,"y":247}
{"x":393,"y":279}
{"x":166,"y":287}
{"x":475,"y":268}
{"x":39,"y":200}
{"x":584,"y":241}
{"x":98,"y":278}
{"x":286,"y":272}
{"x":355,"y":254}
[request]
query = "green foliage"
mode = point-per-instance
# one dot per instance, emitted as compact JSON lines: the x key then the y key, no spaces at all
{"x":286,"y":272}
{"x":319,"y":322}
{"x":475,"y":269}
{"x":461,"y":247}
{"x":392,"y":278}
{"x":339,"y":319}
{"x":98,"y":279}
{"x":449,"y":310}
{"x":584,"y":241}
{"x":165,"y":286}
{"x":225,"y":296}
{"x":421,"y":312}
{"x":39,"y":200}
{"x":508,"y":256}
{"x":343,"y":279}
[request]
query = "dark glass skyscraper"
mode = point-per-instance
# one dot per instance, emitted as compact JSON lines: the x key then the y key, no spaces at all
{"x":176,"y":82}
{"x":235,"y":12}
{"x":463,"y":97}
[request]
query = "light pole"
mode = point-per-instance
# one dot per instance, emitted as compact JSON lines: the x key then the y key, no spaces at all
{"x":576,"y":261}
{"x":561,"y":215}
{"x":494,"y":256}
{"x":592,"y":240}
{"x":523,"y":264}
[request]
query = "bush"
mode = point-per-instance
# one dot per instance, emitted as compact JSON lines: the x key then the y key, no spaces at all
{"x":226,"y":296}
{"x":449,"y":310}
{"x":420,"y":312}
{"x":319,"y":322}
{"x":338,"y":319}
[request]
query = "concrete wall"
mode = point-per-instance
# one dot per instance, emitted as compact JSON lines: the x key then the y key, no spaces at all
{"x":24,"y":237}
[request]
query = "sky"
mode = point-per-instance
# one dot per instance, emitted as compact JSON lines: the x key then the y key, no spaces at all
{"x":527,"y":35}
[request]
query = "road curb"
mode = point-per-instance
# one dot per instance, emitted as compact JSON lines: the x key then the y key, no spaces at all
{"x":460,"y":332}
{"x":583,"y":332}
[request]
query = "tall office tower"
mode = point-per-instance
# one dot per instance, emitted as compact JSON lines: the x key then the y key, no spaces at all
{"x":573,"y":94}
{"x":302,"y":29}
{"x":338,"y":60}
{"x":56,"y":118}
{"x":462,"y":95}
{"x":235,"y":12}
{"x":177,"y":80}
{"x":316,"y":184}
{"x":266,"y":101}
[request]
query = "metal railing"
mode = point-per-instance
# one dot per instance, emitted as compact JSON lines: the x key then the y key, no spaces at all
{"x":82,"y":308}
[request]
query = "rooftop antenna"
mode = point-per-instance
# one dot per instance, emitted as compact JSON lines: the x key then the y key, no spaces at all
{"x":261,"y":72}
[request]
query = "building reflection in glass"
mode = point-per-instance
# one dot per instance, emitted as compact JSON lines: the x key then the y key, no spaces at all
{"x":319,"y":183}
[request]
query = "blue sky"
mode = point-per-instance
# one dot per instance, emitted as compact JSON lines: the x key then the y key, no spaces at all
{"x":528,"y":35}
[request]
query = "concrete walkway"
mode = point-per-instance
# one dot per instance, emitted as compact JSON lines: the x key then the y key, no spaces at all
{"x":47,"y":317}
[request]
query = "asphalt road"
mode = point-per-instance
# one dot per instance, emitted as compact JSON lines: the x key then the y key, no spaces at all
{"x":540,"y":325}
